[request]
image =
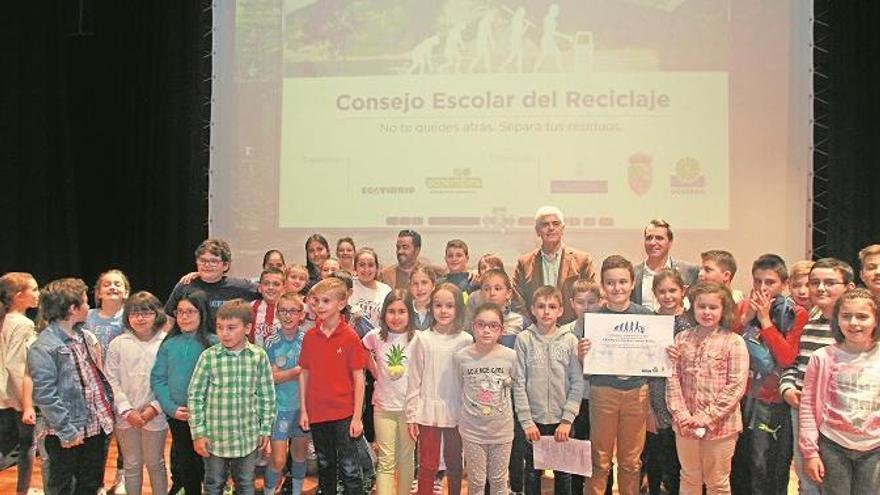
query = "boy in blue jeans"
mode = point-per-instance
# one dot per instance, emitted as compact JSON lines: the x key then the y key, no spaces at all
{"x":232,"y":402}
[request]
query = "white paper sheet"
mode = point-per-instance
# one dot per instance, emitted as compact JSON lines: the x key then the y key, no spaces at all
{"x":572,"y":456}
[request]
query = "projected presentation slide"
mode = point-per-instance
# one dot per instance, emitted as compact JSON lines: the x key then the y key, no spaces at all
{"x":460,"y":118}
{"x":447,"y":111}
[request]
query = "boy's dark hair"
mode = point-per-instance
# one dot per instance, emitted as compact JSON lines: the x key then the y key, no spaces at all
{"x":453,"y":289}
{"x":728,"y":307}
{"x":771,"y":262}
{"x":495,"y":272}
{"x":547,"y":292}
{"x":144,"y":301}
{"x":722,"y":258}
{"x":850,"y":295}
{"x":217,"y":247}
{"x":236,"y":309}
{"x":659,"y":223}
{"x":345,"y":277}
{"x":199,"y":300}
{"x":57,"y":297}
{"x":458,"y":244}
{"x":272,"y":271}
{"x":392,"y":297}
{"x":617,"y":261}
{"x":332,"y":285}
{"x":412,"y":234}
{"x":840,"y":266}
{"x":269,"y":253}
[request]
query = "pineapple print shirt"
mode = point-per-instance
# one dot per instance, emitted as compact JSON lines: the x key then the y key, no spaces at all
{"x":392,"y":361}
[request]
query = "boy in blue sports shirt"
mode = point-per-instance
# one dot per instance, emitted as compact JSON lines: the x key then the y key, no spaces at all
{"x":283,"y":349}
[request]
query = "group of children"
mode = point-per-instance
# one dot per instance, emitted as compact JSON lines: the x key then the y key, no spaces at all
{"x":462,"y":383}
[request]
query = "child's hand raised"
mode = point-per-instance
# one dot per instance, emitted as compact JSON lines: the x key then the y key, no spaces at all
{"x":200,"y":445}
{"x":562,"y":432}
{"x":673,"y":352}
{"x":759,"y":303}
{"x":532,"y":433}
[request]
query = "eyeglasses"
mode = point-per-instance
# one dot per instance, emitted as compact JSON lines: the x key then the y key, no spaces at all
{"x":186,"y":312}
{"x":491,"y":325}
{"x":209,"y":261}
{"x":141,"y":314}
{"x":827,"y":283}
{"x":289,"y":312}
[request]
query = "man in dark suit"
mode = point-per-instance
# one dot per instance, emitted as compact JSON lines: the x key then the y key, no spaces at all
{"x":552,"y":264}
{"x":658,"y":242}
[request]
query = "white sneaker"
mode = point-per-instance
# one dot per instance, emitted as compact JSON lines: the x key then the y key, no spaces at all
{"x":438,"y":486}
{"x":415,"y":487}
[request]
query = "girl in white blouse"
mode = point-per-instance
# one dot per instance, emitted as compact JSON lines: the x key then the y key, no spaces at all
{"x":140,"y":426}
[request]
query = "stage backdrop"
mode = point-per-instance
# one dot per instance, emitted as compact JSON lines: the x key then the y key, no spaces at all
{"x":460,"y":118}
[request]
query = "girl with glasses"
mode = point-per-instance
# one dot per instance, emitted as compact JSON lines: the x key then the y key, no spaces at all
{"x":169,"y":379}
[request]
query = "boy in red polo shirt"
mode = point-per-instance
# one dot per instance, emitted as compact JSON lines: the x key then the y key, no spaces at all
{"x":331,"y":408}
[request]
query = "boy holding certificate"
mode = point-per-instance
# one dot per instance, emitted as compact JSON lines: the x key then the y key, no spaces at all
{"x":618,"y":404}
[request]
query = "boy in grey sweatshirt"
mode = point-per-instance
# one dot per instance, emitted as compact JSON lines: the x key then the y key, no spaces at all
{"x":548,"y":383}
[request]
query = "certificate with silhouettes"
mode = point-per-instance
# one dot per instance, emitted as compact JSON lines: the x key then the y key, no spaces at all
{"x":628,"y":345}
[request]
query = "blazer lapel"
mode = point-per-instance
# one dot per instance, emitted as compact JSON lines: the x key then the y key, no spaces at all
{"x":538,"y":268}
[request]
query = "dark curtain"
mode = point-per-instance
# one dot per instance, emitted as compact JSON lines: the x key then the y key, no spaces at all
{"x":104,"y":138}
{"x":852,"y":190}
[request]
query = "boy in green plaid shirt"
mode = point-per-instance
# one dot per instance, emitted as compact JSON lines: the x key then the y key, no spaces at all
{"x":232,"y":402}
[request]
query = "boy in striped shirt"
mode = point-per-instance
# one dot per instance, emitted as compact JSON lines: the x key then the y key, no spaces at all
{"x":828,"y":280}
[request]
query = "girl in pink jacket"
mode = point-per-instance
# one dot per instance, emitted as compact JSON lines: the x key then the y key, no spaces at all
{"x":840,"y":407}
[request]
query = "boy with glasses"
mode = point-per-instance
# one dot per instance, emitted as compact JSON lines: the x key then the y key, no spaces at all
{"x":213,"y":258}
{"x":283,"y":349}
{"x":828,"y":280}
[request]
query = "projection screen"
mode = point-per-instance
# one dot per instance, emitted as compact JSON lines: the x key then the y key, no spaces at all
{"x":460,"y":118}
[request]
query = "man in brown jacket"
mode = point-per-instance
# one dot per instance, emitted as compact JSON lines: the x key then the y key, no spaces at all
{"x":553,"y":263}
